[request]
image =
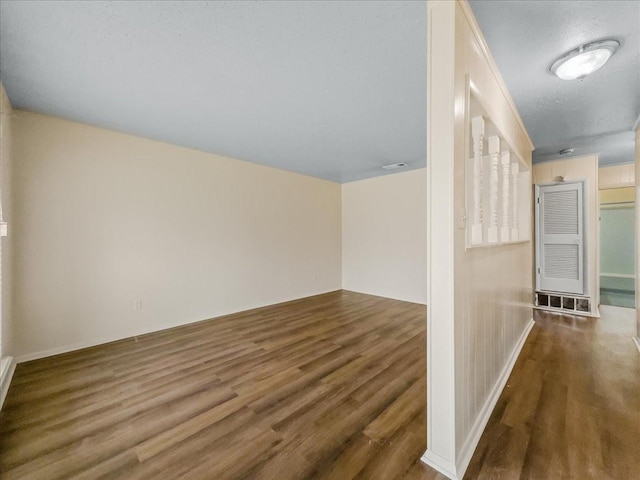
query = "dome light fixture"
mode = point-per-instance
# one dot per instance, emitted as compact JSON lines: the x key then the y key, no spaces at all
{"x":584,"y":60}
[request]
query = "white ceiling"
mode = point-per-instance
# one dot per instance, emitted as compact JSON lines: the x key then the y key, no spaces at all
{"x":329,"y":89}
{"x":594,"y":115}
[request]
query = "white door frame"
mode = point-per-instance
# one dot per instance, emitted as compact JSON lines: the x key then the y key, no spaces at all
{"x":583,"y":234}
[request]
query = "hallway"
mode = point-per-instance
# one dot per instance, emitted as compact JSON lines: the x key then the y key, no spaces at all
{"x":571,"y":408}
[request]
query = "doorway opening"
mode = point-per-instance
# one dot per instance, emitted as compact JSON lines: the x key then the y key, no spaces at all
{"x":617,"y":247}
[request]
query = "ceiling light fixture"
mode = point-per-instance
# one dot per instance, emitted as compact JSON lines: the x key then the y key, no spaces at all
{"x":584,"y":60}
{"x":566,"y":151}
{"x":394,"y":165}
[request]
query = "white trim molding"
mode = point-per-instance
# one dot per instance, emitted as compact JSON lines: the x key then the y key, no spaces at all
{"x":75,"y":346}
{"x":456,"y":472}
{"x":441,"y":228}
{"x":636,"y":340}
{"x":482,"y":419}
{"x":440,"y":464}
{"x":27,"y":357}
{"x":7,"y":367}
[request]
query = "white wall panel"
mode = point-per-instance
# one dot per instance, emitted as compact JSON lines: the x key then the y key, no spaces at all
{"x":105,"y":220}
{"x":384,"y":236}
{"x":480,"y":300}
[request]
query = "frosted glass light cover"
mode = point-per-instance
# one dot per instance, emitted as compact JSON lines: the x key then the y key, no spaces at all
{"x":584,"y":60}
{"x":584,"y":64}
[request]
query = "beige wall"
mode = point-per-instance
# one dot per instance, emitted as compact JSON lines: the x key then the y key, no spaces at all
{"x":617,"y":195}
{"x":617,"y":176}
{"x":6,"y":279}
{"x":479,"y":299}
{"x":581,"y":168}
{"x":384,"y":236}
{"x":493,"y":286}
{"x":106,"y":219}
{"x":637,"y":179}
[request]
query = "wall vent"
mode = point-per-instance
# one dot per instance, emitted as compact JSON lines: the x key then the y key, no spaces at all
{"x":563,"y":302}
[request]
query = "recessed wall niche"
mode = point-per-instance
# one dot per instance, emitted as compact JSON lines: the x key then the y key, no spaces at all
{"x":498,"y":196}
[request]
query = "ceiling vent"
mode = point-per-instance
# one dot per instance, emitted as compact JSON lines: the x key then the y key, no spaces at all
{"x":393,"y":166}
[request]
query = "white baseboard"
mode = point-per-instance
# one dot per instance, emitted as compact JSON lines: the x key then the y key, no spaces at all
{"x":479,"y":425}
{"x":407,"y":299}
{"x":79,"y":346}
{"x":114,"y":338}
{"x":594,"y":314}
{"x":438,"y":463}
{"x":7,"y":367}
{"x":457,"y":471}
{"x":636,"y":340}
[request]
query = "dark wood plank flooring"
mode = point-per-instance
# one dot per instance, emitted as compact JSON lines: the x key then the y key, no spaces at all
{"x":329,"y":387}
{"x":571,"y":408}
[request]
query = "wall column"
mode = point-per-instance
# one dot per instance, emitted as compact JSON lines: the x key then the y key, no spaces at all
{"x":637,"y":339}
{"x":472,"y":292}
{"x":441,"y":398}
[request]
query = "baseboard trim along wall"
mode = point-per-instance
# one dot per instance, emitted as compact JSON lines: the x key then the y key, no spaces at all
{"x":101,"y":341}
{"x":479,"y":425}
{"x":456,"y":472}
{"x":443,"y":466}
{"x":82,"y":345}
{"x":7,"y":367}
{"x":392,"y":297}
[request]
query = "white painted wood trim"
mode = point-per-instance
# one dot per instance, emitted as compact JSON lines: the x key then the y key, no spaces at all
{"x":470,"y":444}
{"x":438,"y":463}
{"x":78,"y":346}
{"x":441,"y":224}
{"x":515,"y":222}
{"x":494,"y":153}
{"x":595,"y":313}
{"x":477,"y":128}
{"x":475,"y":29}
{"x":94,"y":343}
{"x":617,"y":275}
{"x":8,"y":366}
{"x":636,"y":340}
{"x":395,"y":297}
{"x":115,"y":338}
{"x":456,"y":472}
{"x":637,"y":239}
{"x":505,"y":230}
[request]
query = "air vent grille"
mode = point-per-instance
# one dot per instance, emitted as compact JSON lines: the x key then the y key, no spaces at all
{"x":394,"y":166}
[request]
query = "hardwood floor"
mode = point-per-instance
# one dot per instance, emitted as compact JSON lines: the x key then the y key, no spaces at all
{"x":571,"y":408}
{"x":327,"y":387}
{"x":330,"y":387}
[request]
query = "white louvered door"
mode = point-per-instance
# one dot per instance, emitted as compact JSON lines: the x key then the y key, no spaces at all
{"x":560,"y":249}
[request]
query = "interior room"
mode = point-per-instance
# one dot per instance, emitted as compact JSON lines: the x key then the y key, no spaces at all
{"x":330,"y":240}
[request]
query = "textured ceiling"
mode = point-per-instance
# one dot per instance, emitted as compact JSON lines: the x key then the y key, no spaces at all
{"x":593,"y":115}
{"x":329,"y":89}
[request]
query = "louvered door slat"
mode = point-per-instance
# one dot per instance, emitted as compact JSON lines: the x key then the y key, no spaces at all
{"x":560,"y":252}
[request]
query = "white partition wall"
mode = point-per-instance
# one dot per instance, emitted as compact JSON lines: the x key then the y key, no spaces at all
{"x":7,"y":362}
{"x":637,"y":178}
{"x":479,"y":229}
